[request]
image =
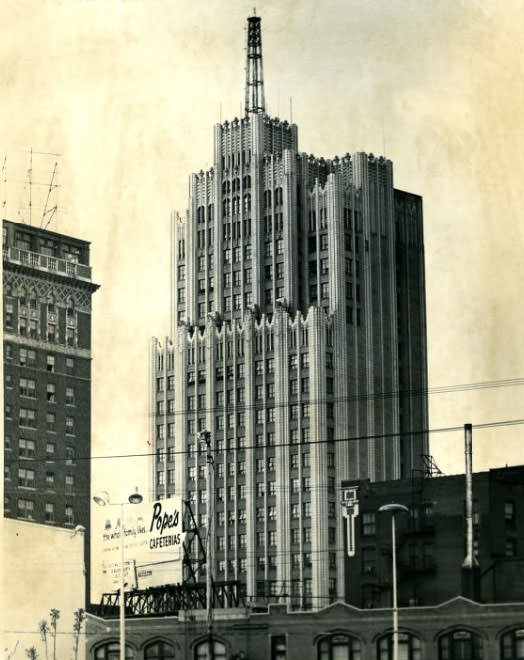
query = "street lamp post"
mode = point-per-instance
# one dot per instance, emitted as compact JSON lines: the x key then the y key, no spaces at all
{"x":102,"y":499}
{"x":394,"y":509}
{"x":205,"y":438}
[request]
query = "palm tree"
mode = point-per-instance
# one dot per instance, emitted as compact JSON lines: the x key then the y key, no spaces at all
{"x":79,"y":616}
{"x":44,"y":629}
{"x":54,"y":615}
{"x":31,"y":653}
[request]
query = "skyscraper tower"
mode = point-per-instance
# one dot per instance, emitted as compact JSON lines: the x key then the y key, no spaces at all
{"x":299,"y":344}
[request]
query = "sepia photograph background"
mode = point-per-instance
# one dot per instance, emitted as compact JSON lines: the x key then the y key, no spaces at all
{"x":123,"y":96}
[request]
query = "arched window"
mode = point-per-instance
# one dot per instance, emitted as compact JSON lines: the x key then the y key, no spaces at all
{"x":409,"y":647}
{"x":202,"y":650}
{"x":460,"y":645}
{"x":22,"y":297}
{"x":159,"y":651}
{"x":512,"y":645}
{"x":51,"y":306}
{"x":32,"y":299}
{"x":111,"y":651}
{"x":70,"y":310}
{"x":339,"y":647}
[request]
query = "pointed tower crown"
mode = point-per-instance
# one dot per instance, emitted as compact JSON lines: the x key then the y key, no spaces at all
{"x":254,"y":71}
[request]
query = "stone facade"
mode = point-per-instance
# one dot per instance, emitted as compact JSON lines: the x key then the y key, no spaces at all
{"x":299,"y":333}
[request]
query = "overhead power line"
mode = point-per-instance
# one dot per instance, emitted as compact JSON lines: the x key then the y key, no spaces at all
{"x":377,"y":436}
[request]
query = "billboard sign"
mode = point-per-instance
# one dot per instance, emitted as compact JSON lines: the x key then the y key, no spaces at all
{"x":153,"y":538}
{"x":111,"y":576}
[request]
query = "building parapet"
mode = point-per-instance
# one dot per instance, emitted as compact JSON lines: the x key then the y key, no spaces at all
{"x":46,"y":263}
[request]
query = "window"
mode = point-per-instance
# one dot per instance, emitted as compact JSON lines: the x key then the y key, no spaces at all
{"x":509,"y":513}
{"x":26,"y":478}
{"x":50,"y":480}
{"x":409,"y":647}
{"x":159,"y":651}
{"x":27,"y":417}
{"x":278,"y":648}
{"x":368,"y":524}
{"x":49,"y":512}
{"x":70,"y":455}
{"x":50,"y":451}
{"x":69,"y":515}
{"x":336,"y":647}
{"x":70,"y":396}
{"x":307,"y":509}
{"x":50,"y":363}
{"x":69,"y":484}
{"x":50,"y":421}
{"x":202,"y":651}
{"x":26,"y":509}
{"x":51,"y":392}
{"x":27,"y":387}
{"x":510,"y":548}
{"x":26,"y":448}
{"x":70,"y":365}
{"x":460,"y":644}
{"x":512,"y":645}
{"x":69,"y":425}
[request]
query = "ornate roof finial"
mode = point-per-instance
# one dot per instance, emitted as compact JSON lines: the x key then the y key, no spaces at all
{"x":254,"y":71}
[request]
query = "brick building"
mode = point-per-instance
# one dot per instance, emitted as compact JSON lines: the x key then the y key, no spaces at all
{"x":431,"y":539}
{"x":47,"y":291}
{"x":299,"y":305}
{"x":458,"y":629}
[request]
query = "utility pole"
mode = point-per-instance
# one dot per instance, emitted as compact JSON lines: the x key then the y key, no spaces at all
{"x":470,"y":565}
{"x":205,"y":437}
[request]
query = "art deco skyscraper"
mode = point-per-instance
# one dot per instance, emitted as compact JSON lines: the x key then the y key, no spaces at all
{"x":299,"y":344}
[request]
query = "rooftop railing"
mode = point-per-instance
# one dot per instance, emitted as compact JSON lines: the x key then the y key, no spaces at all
{"x":47,"y":263}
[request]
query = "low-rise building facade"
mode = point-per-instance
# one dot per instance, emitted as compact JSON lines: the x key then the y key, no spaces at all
{"x":431,"y":539}
{"x":453,"y":630}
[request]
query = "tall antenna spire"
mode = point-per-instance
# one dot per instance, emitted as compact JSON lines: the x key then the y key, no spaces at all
{"x":254,"y":72}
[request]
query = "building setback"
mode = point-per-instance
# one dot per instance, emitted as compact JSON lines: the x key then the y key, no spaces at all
{"x":299,"y":344}
{"x":431,"y":539}
{"x":47,"y":293}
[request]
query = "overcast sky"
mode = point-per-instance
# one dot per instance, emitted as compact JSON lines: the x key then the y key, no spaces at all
{"x":128,"y":92}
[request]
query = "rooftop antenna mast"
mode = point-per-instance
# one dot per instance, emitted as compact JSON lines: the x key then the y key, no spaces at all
{"x":30,"y":179}
{"x":4,"y":179}
{"x":51,"y":211}
{"x":255,"y":101}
